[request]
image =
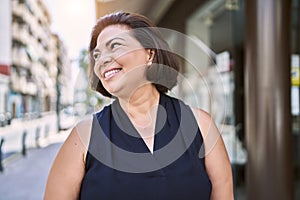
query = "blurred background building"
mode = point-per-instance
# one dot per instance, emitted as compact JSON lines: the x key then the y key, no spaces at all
{"x":32,"y":72}
{"x":35,"y":67}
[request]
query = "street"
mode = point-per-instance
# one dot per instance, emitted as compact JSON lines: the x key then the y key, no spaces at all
{"x":25,"y":177}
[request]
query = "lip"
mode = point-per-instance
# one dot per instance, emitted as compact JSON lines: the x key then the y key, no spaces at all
{"x":108,"y":70}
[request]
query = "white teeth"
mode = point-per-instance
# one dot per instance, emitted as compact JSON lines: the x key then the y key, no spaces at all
{"x":111,"y":72}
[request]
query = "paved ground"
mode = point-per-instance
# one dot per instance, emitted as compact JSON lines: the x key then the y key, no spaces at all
{"x":25,"y":177}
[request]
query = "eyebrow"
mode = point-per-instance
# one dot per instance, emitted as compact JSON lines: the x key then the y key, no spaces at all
{"x":108,"y":42}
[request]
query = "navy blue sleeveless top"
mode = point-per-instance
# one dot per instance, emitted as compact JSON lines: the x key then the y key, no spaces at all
{"x":120,"y":166}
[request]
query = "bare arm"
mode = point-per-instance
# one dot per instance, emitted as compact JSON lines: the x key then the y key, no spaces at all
{"x":68,"y":168}
{"x":216,"y":158}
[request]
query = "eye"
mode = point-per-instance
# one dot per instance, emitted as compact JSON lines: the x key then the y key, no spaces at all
{"x":114,"y":45}
{"x":96,"y":55}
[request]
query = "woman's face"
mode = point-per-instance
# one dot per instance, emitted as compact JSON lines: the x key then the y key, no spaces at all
{"x":120,"y":60}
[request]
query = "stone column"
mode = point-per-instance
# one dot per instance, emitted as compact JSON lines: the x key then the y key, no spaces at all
{"x":267,"y":87}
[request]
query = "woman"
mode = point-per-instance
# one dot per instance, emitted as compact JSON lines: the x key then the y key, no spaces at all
{"x":145,"y":145}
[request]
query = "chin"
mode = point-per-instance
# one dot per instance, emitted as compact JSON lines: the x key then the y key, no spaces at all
{"x":113,"y":90}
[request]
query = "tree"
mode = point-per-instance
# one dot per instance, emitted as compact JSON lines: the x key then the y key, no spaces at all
{"x":93,"y":98}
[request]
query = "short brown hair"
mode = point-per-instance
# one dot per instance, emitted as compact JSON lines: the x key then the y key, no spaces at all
{"x":163,"y":73}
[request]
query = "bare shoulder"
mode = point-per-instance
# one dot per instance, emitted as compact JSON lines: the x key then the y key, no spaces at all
{"x":81,"y":134}
{"x":200,"y":113}
{"x":205,"y":122}
{"x":68,"y":168}
{"x":212,"y":137}
{"x":83,"y":128}
{"x":216,"y":158}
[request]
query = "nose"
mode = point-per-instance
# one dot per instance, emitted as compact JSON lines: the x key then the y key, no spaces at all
{"x":105,"y":60}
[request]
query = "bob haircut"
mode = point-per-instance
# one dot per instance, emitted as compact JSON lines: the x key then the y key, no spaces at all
{"x":164,"y":70}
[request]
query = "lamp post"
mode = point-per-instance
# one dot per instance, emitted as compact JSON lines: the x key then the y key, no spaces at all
{"x":58,"y":94}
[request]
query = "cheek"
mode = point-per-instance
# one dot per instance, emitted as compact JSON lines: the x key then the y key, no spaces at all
{"x":97,"y":70}
{"x":132,"y":59}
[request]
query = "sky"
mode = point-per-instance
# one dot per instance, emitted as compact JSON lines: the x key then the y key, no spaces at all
{"x":72,"y":20}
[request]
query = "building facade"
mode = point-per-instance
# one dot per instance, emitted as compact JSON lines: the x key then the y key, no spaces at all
{"x":34,"y":63}
{"x":5,"y":59}
{"x":32,"y":89}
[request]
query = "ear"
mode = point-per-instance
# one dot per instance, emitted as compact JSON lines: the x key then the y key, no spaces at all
{"x":151,"y":54}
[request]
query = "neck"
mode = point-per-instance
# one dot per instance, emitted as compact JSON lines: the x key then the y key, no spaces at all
{"x":141,"y":101}
{"x":141,"y":108}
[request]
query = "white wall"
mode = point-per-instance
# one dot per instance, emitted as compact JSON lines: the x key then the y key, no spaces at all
{"x":3,"y":93}
{"x":5,"y":50}
{"x":5,"y":32}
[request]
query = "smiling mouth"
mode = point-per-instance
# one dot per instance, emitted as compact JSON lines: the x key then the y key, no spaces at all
{"x":110,"y":73}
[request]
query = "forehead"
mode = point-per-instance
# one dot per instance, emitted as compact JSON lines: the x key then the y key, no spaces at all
{"x":113,"y":31}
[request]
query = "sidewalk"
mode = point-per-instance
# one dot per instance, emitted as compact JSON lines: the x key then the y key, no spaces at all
{"x":30,"y":130}
{"x":25,"y":177}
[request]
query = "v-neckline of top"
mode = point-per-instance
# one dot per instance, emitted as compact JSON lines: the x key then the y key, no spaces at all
{"x":136,"y":133}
